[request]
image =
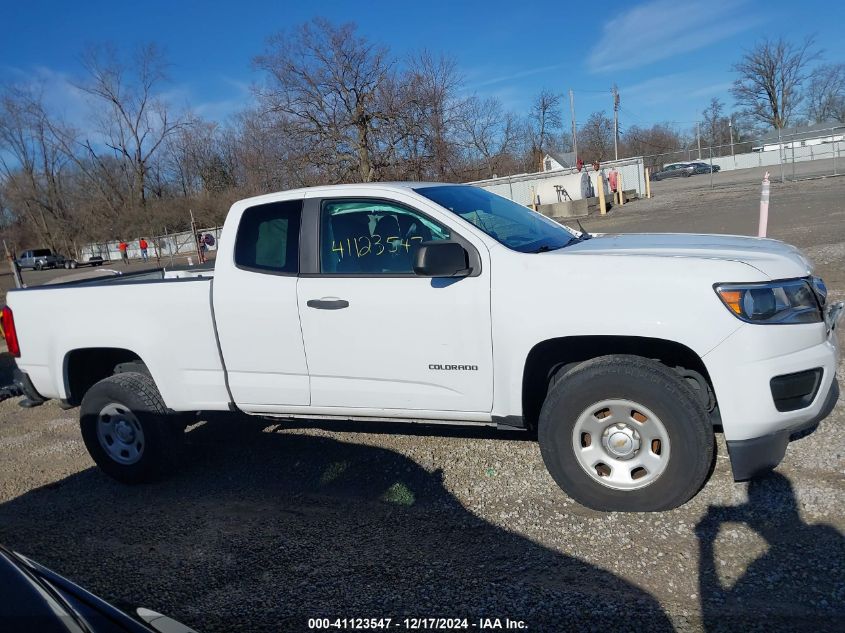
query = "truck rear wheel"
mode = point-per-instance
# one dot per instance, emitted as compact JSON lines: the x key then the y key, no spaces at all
{"x":127,"y":430}
{"x":624,"y":433}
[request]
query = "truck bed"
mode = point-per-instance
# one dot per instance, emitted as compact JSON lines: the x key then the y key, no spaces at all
{"x":162,"y":317}
{"x":112,"y":276}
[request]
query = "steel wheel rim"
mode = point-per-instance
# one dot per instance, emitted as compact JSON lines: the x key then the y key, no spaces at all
{"x":120,"y":434}
{"x":621,"y":444}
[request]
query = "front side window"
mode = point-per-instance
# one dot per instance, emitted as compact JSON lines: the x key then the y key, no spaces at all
{"x":268,"y":238}
{"x":373,"y":237}
{"x":509,"y":223}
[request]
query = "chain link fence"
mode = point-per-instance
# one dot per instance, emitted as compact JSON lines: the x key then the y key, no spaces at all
{"x":790,"y":155}
{"x":172,"y":248}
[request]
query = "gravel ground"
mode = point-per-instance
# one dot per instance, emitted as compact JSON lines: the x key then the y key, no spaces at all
{"x":267,"y":525}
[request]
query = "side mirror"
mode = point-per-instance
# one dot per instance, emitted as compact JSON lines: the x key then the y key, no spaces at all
{"x":440,"y":258}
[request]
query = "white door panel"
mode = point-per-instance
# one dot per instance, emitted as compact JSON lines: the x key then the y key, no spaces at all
{"x":258,"y":324}
{"x":402,"y":342}
{"x":256,"y":312}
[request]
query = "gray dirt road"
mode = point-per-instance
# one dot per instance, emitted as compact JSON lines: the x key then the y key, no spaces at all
{"x":267,"y":525}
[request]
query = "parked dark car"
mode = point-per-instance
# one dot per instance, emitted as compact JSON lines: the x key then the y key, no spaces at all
{"x":35,"y":599}
{"x":704,"y":168}
{"x":674,"y":170}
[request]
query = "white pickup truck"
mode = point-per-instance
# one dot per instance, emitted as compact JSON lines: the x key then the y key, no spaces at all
{"x":432,"y":302}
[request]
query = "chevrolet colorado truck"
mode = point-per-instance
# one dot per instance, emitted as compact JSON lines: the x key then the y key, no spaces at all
{"x":447,"y":303}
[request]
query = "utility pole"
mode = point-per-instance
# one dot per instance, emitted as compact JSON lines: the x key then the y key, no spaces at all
{"x":16,"y":271}
{"x":574,"y":129}
{"x":698,"y":136}
{"x":731,"y":130}
{"x":615,"y":92}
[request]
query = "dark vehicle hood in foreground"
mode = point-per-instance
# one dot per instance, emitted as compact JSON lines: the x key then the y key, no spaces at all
{"x":33,"y":598}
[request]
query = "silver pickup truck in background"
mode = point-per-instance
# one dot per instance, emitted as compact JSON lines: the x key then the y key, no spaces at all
{"x":41,"y":258}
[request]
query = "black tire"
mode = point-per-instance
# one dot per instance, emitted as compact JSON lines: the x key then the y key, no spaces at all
{"x":657,"y":178}
{"x":657,"y":388}
{"x":38,"y":265}
{"x":162,"y":435}
{"x":73,"y":264}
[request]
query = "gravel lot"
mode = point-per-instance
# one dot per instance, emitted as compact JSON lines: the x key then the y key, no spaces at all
{"x":270,"y":524}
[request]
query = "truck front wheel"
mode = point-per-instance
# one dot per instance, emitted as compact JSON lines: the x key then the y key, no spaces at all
{"x":625,"y":433}
{"x":127,"y":430}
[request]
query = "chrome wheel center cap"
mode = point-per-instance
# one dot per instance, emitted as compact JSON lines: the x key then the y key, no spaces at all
{"x":621,"y":441}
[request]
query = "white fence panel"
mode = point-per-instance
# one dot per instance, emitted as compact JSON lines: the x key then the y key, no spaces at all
{"x":518,"y":188}
{"x":174,"y":244}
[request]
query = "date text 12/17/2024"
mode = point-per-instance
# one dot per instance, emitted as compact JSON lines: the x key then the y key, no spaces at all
{"x":417,"y":624}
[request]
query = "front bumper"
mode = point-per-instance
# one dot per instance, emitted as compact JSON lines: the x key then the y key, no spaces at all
{"x":757,"y":428}
{"x":758,"y":455}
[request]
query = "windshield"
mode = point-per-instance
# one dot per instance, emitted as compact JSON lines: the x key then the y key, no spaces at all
{"x":507,"y":222}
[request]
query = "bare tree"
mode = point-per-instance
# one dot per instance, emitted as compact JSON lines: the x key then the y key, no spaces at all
{"x":334,"y":107}
{"x":487,"y":132}
{"x":826,"y":94}
{"x":716,"y":127}
{"x":196,"y":161}
{"x":653,"y":142}
{"x":325,"y":80}
{"x":133,"y":120}
{"x":33,"y":172}
{"x":770,"y":79}
{"x":595,"y":138}
{"x":431,"y":84}
{"x":545,"y":119}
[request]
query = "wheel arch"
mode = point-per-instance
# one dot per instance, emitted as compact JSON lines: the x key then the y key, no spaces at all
{"x":83,"y":367}
{"x":547,"y":357}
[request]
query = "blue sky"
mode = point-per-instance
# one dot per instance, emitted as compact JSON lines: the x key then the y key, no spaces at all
{"x":668,"y":57}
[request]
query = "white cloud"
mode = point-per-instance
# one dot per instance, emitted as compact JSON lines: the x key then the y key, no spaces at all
{"x":660,"y":29}
{"x":712,"y":90}
{"x":60,"y":94}
{"x":517,"y":74}
{"x":685,"y":95}
{"x":221,"y":109}
{"x":63,"y":97}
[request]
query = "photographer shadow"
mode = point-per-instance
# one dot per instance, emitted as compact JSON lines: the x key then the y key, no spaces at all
{"x":266,"y":526}
{"x":802,"y":567}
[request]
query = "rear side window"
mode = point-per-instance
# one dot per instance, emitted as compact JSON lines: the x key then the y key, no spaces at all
{"x":268,"y":238}
{"x":42,"y":252}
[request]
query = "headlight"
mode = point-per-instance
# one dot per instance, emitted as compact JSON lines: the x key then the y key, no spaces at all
{"x":792,"y":301}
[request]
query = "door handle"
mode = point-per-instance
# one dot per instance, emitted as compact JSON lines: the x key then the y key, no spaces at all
{"x":327,"y":304}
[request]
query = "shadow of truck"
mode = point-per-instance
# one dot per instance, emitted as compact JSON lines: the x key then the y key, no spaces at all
{"x":264,"y":529}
